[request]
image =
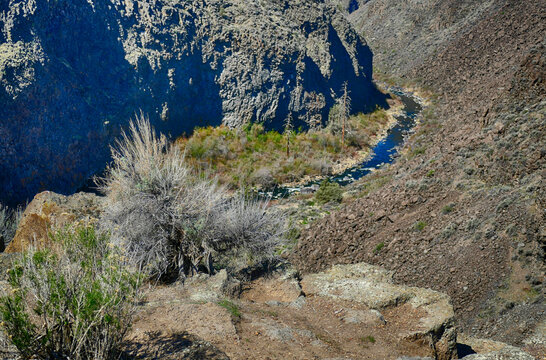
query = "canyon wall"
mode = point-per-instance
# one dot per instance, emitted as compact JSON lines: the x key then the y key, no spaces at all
{"x":73,"y":73}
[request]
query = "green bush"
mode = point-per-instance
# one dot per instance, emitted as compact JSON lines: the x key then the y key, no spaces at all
{"x":420,"y":225}
{"x":73,"y":301}
{"x":448,"y":208}
{"x":329,"y":192}
{"x":378,"y":248}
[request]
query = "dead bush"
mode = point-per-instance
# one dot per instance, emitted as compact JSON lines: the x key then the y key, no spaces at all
{"x":171,"y":221}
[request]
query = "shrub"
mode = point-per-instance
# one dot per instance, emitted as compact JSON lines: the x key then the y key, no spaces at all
{"x":448,"y":208}
{"x":420,"y":225}
{"x":74,"y":301}
{"x":170,"y":220}
{"x":245,"y":230}
{"x":264,"y":178}
{"x":379,"y":247}
{"x":329,"y":192}
{"x":9,"y":220}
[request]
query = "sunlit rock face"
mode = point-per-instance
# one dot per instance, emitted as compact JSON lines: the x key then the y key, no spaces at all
{"x":72,"y":73}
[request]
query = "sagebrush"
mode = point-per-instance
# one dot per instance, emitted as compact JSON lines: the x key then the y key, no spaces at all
{"x":172,"y":221}
{"x":329,"y":192}
{"x":74,"y":300}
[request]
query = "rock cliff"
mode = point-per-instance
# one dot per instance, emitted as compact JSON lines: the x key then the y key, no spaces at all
{"x":73,"y":72}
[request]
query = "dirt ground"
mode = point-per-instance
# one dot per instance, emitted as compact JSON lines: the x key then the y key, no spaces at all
{"x":272,"y":320}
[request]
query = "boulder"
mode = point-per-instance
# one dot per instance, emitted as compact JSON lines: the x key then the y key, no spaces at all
{"x":506,"y":353}
{"x":48,"y":212}
{"x":373,"y":286}
{"x":486,"y":349}
{"x":205,"y":288}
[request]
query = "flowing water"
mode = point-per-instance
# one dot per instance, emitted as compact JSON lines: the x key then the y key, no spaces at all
{"x":384,"y":152}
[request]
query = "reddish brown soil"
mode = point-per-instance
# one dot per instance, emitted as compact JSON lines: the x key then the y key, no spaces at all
{"x":464,"y":206}
{"x":272,"y":324}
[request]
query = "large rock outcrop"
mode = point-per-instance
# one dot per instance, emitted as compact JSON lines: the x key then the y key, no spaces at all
{"x":49,"y":212}
{"x":347,"y":312}
{"x":73,"y":72}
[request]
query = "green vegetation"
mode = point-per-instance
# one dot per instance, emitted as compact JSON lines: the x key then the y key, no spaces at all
{"x":329,"y":192}
{"x":253,"y":156}
{"x":378,"y":248}
{"x":417,"y":151}
{"x":449,"y":230}
{"x":73,"y":301}
{"x":231,"y":307}
{"x":420,"y":225}
{"x":430,"y":173}
{"x":368,"y":339}
{"x":374,"y":183}
{"x":448,"y":208}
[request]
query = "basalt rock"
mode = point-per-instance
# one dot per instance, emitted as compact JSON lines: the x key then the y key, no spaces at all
{"x":373,"y":286}
{"x":49,"y":212}
{"x":72,"y":73}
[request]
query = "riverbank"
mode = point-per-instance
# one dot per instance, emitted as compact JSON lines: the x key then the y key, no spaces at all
{"x":395,"y":110}
{"x":385,"y":148}
{"x":255,"y":158}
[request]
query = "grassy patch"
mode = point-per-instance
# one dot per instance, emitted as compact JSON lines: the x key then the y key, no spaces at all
{"x":420,"y":225}
{"x":230,"y":307}
{"x":253,"y":156}
{"x":378,"y":247}
{"x":416,"y":151}
{"x":373,"y":185}
{"x":448,"y":208}
{"x":367,"y":339}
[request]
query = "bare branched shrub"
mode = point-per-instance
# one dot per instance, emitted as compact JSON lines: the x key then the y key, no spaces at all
{"x":72,"y":301}
{"x":264,"y":177}
{"x":247,"y":231}
{"x":9,"y":220}
{"x":169,"y":220}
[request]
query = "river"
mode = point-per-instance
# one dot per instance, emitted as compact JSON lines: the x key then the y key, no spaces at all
{"x":384,"y":152}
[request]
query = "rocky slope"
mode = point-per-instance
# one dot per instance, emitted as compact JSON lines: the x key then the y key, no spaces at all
{"x":72,"y":73}
{"x":463,"y":210}
{"x":350,"y":311}
{"x":404,"y":34}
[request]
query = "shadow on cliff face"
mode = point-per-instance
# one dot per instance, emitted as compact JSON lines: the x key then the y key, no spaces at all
{"x":76,"y":72}
{"x":56,"y":131}
{"x":364,"y":97}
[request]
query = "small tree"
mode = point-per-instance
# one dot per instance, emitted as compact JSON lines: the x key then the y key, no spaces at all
{"x":288,"y":131}
{"x":345,"y":103}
